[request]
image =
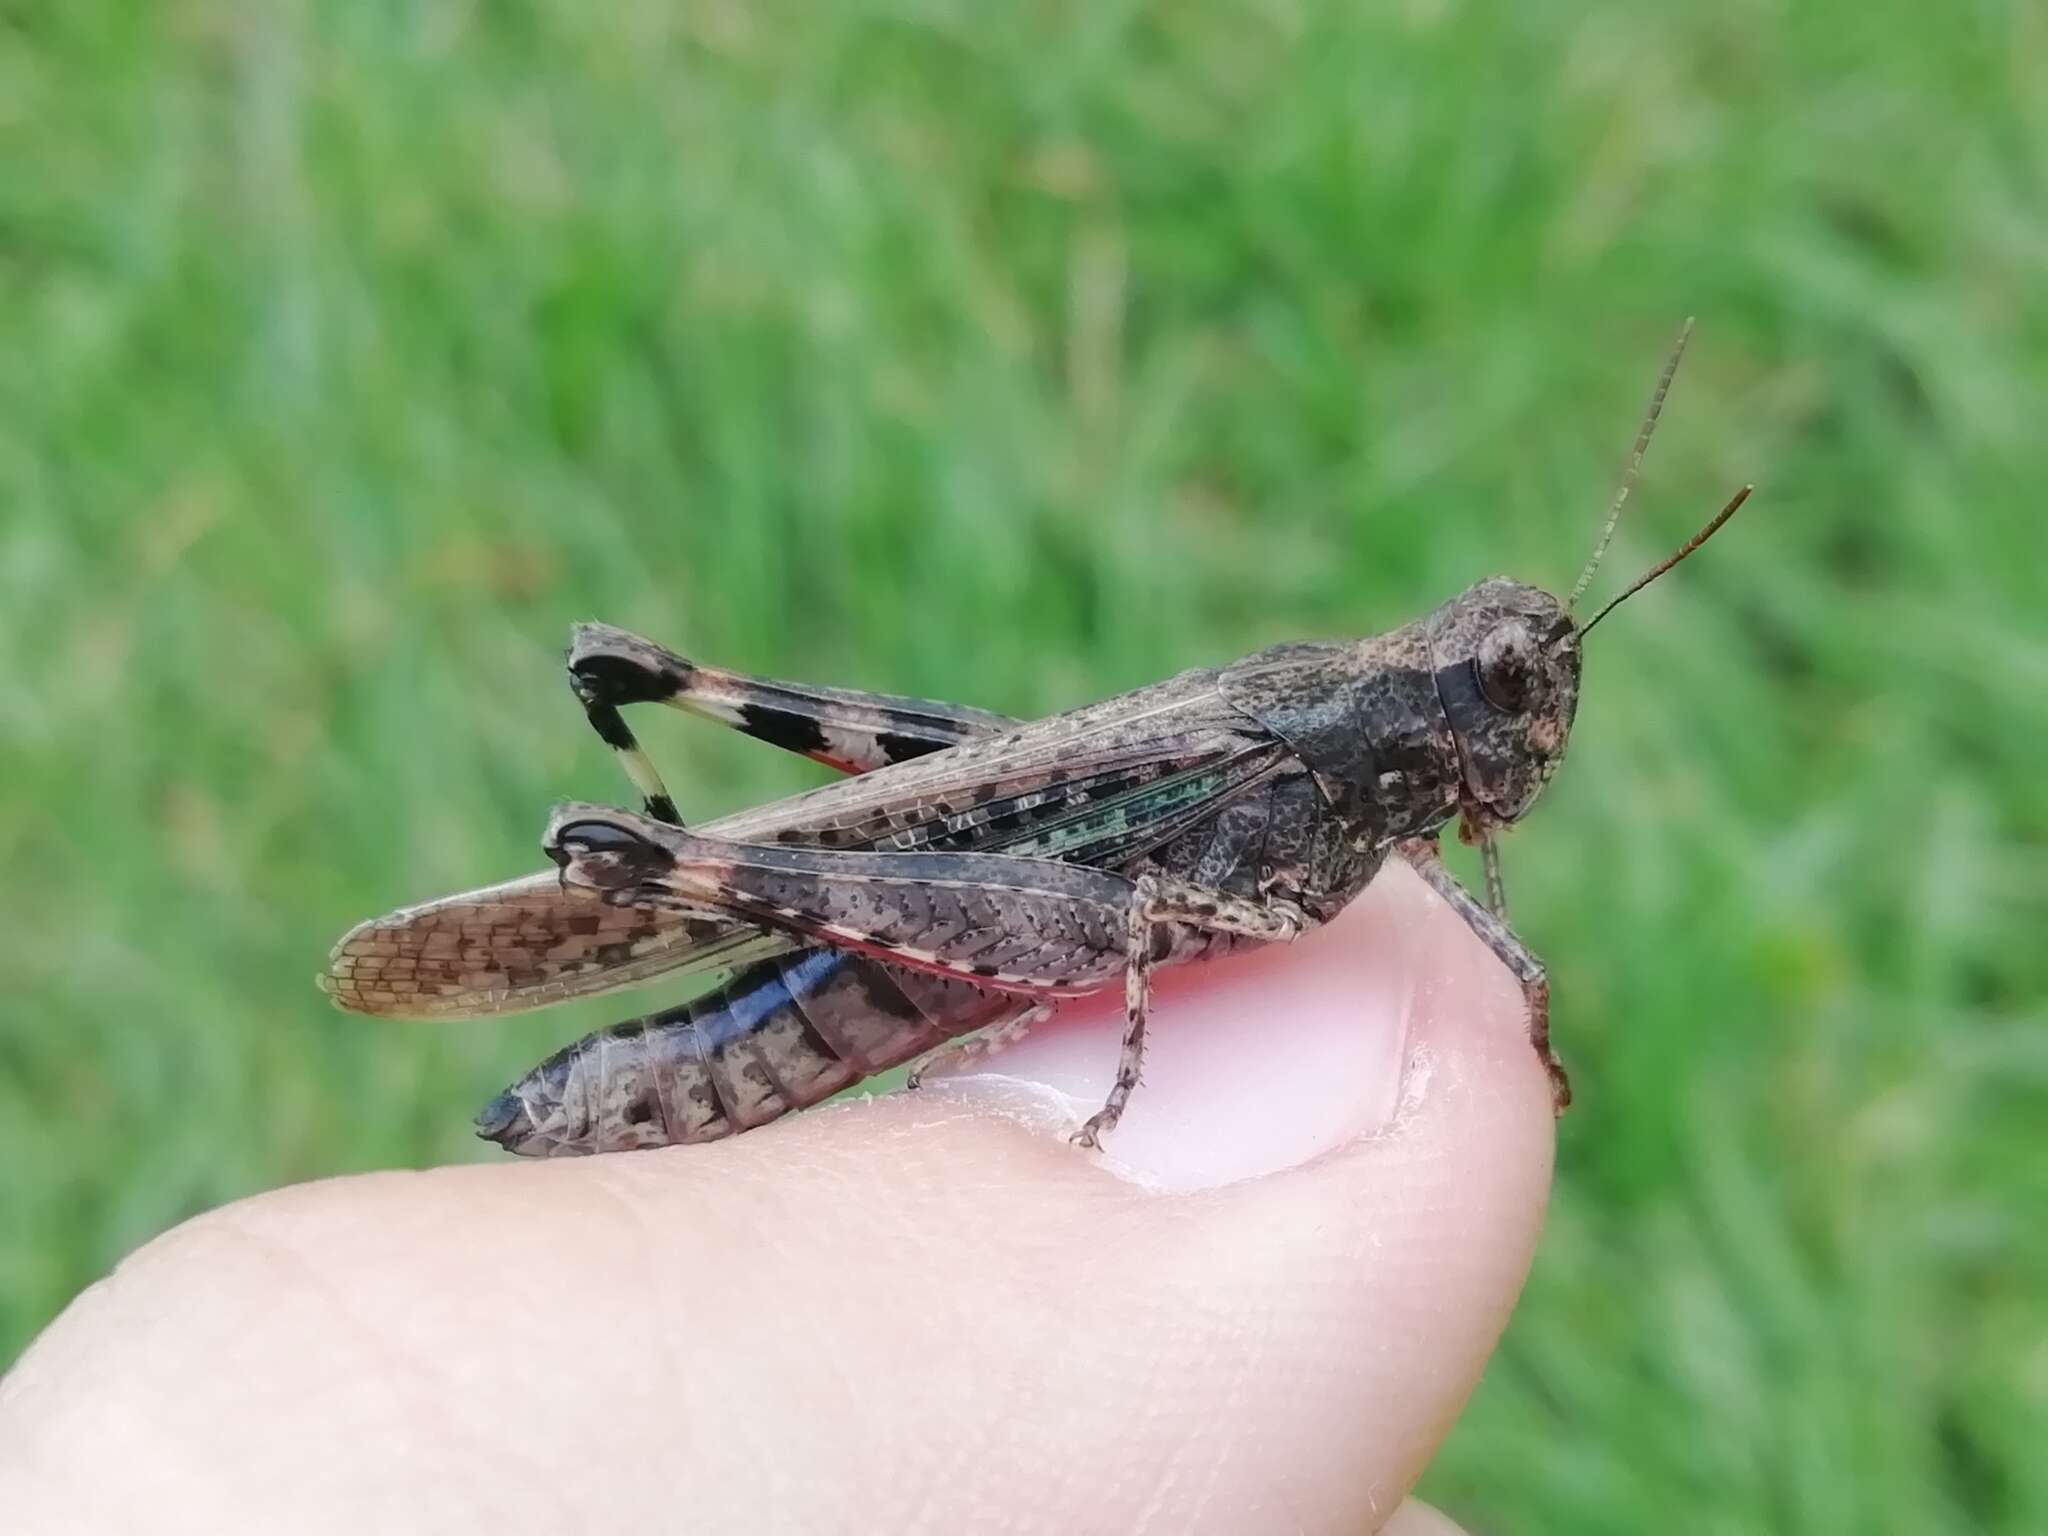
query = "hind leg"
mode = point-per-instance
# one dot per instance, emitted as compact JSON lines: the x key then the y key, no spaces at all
{"x":843,"y":728}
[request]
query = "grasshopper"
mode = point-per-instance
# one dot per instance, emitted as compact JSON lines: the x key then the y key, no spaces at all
{"x":973,"y":869}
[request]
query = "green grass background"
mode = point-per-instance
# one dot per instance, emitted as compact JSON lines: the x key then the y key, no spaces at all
{"x":1020,"y":354}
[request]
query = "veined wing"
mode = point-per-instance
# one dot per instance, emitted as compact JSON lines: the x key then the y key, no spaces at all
{"x":992,"y":792}
{"x":524,"y":944}
{"x":1101,"y":785}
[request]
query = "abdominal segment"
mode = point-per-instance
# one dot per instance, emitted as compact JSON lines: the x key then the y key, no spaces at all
{"x":781,"y":1035}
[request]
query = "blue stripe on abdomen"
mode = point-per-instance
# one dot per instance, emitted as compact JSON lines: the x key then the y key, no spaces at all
{"x":745,"y":1003}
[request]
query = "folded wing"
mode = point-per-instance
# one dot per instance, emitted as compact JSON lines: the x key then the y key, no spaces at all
{"x":525,"y":944}
{"x":1101,"y":785}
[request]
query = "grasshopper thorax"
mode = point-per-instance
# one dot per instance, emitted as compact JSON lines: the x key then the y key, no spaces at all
{"x":1506,"y":658}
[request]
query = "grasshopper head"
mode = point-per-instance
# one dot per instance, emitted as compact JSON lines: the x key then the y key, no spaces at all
{"x":1506,"y":658}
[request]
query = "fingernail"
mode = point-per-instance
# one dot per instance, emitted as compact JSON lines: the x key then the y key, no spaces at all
{"x":1254,"y":1062}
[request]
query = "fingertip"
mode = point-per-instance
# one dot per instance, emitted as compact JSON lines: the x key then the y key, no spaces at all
{"x":1370,"y":1127}
{"x":900,"y":1311}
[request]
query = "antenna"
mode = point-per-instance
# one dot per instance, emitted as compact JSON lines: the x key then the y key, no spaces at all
{"x":1734,"y":505}
{"x":1635,"y":465}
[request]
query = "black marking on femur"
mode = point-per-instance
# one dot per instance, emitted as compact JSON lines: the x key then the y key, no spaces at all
{"x":986,"y":970}
{"x":604,"y":719}
{"x":605,"y":679}
{"x":781,"y":727}
{"x":900,"y":749}
{"x":661,"y":808}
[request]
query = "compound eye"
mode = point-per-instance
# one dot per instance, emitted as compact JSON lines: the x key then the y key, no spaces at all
{"x":1507,"y":665}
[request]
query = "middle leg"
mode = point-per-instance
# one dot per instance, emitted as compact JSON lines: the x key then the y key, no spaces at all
{"x":1156,"y":904}
{"x":1426,"y":859}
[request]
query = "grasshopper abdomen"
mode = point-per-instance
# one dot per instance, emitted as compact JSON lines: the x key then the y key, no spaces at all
{"x":781,"y":1035}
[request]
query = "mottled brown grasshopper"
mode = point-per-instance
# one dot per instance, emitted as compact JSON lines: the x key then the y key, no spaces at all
{"x":975,"y":868}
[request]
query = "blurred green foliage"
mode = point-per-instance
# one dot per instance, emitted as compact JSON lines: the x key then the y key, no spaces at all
{"x":351,"y":350}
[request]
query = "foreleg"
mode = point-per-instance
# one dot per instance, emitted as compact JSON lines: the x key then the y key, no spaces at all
{"x":1426,"y":859}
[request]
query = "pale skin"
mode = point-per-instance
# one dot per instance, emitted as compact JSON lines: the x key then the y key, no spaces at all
{"x":926,"y":1312}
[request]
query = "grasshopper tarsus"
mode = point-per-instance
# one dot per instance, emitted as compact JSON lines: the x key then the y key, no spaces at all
{"x":1097,"y":1126}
